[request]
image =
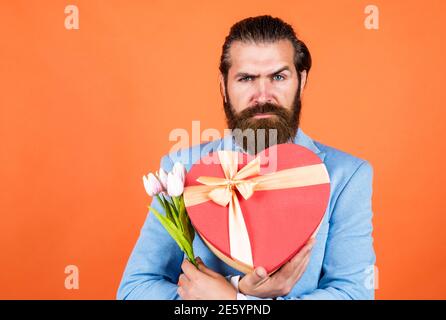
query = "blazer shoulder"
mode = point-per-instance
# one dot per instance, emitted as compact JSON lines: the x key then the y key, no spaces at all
{"x":341,"y":165}
{"x":339,"y":158}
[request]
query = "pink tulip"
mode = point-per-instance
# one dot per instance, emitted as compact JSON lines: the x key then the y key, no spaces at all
{"x":152,"y":185}
{"x":162,"y":177}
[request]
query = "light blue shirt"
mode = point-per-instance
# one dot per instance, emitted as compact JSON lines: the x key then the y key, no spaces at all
{"x":342,"y":260}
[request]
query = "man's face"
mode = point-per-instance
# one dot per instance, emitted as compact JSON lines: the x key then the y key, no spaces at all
{"x":262,"y":90}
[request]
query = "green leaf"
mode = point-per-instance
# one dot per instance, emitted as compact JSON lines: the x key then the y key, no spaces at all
{"x":175,"y":233}
{"x":169,"y":214}
{"x":185,"y":223}
{"x":170,"y":227}
{"x":190,"y":227}
{"x":175,"y":216}
{"x":181,"y":203}
{"x":189,"y":231}
{"x":177,"y":205}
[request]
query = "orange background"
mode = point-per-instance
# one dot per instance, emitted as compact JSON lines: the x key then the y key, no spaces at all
{"x":85,"y":113}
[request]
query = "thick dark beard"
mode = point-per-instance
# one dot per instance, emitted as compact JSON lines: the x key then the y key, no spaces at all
{"x":279,"y":128}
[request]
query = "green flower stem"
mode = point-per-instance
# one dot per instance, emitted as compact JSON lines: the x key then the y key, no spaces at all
{"x":176,"y":226}
{"x":176,"y":203}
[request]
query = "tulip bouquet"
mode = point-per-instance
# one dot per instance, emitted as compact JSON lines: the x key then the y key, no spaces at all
{"x":168,"y":189}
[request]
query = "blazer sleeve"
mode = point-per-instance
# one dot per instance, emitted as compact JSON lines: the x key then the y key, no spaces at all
{"x":154,"y":265}
{"x":348,"y":265}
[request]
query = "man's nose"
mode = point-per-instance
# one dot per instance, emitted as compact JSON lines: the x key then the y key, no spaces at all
{"x":263,"y":92}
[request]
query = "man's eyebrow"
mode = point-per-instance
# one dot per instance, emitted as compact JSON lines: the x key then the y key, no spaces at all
{"x":247,"y":74}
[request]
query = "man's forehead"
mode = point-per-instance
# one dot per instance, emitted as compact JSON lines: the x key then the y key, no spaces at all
{"x":261,"y":57}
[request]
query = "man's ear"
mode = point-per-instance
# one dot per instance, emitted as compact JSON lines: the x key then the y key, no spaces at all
{"x":222,"y":87}
{"x":303,"y":80}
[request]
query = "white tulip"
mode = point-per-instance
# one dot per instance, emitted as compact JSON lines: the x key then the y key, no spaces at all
{"x":175,"y":185}
{"x":162,"y":177}
{"x":152,"y":185}
{"x":179,"y":170}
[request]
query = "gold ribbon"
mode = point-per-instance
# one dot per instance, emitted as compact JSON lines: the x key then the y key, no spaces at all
{"x":222,"y":191}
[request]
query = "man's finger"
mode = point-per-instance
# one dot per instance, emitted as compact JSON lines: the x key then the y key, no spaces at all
{"x":296,"y":260}
{"x":189,"y":269}
{"x":183,"y":280}
{"x":301,"y":269}
{"x":292,"y":267}
{"x":256,"y":277}
{"x":202,"y":267}
{"x":181,"y":292}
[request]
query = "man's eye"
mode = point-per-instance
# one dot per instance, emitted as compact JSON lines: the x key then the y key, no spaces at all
{"x":248,"y":78}
{"x":278,"y":77}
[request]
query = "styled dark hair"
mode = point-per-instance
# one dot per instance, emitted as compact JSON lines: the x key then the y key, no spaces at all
{"x":265,"y":29}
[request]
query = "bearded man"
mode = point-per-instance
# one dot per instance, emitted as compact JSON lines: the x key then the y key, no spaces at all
{"x":263,"y":71}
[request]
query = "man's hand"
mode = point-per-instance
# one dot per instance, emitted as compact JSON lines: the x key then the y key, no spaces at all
{"x":259,"y":284}
{"x":203,"y":283}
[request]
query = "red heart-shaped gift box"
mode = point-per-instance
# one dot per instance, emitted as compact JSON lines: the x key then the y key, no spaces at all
{"x":278,"y":221}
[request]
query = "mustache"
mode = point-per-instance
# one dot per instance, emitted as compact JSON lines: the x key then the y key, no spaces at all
{"x":267,"y":107}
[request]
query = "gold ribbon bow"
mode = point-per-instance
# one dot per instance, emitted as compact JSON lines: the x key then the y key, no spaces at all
{"x":223,"y":192}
